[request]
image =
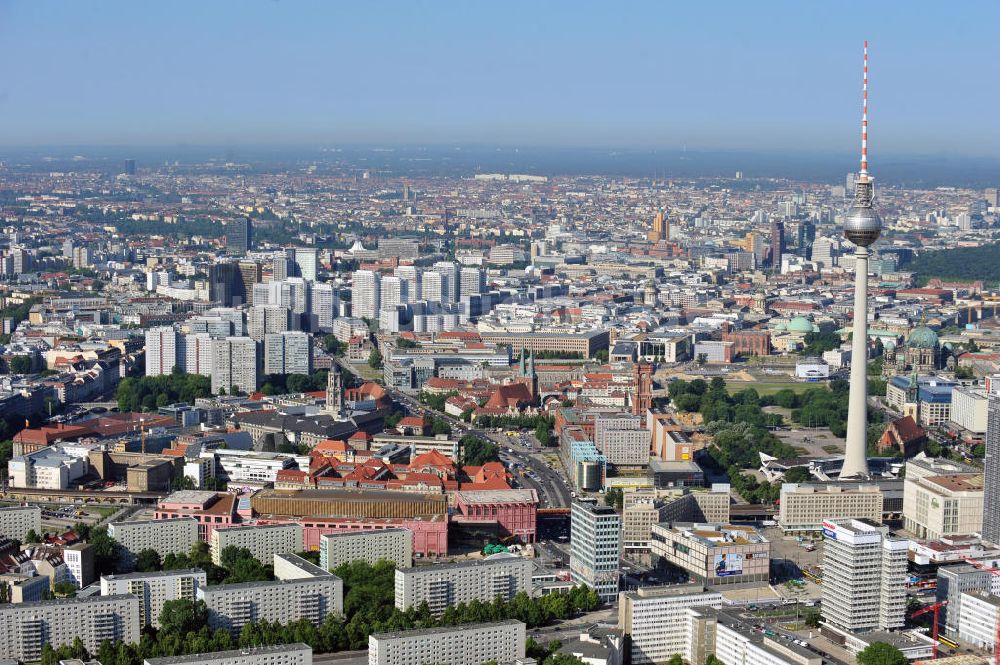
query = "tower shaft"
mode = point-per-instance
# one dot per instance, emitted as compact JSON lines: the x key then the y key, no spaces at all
{"x":856,"y":451}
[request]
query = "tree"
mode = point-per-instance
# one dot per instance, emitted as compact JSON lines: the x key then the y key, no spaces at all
{"x":147,"y":561}
{"x":542,"y":434}
{"x":797,"y":474}
{"x":20,"y":365}
{"x":881,"y":653}
{"x":333,"y":346}
{"x":476,"y":451}
{"x":32,"y":537}
{"x":979,"y":450}
{"x":183,"y":616}
{"x":615,"y":498}
{"x":676,"y":659}
{"x":713,"y":660}
{"x":812,"y":618}
{"x":375,"y":359}
{"x":702,"y":359}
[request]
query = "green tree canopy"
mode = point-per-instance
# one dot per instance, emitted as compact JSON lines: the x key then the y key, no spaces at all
{"x":881,"y":653}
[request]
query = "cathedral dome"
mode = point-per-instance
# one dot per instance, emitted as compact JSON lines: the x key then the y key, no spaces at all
{"x":800,"y":324}
{"x":922,"y":337}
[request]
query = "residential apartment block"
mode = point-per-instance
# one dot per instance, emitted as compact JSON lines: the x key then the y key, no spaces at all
{"x":17,"y":521}
{"x":262,"y":540}
{"x":154,"y":589}
{"x":395,"y":545}
{"x":470,"y":644}
{"x":166,"y":536}
{"x":443,"y":585}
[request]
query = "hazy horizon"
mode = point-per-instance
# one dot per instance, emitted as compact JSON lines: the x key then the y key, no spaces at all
{"x":783,"y":76}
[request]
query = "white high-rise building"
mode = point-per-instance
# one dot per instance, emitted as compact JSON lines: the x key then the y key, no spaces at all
{"x":262,"y":540}
{"x":161,"y":350}
{"x":394,"y":292}
{"x":306,"y":262}
{"x":595,"y":547}
{"x":451,"y":271}
{"x":414,"y":280}
{"x":366,"y":294}
{"x":198,"y":354}
{"x":234,"y":364}
{"x":864,"y":576}
{"x":166,"y":536}
{"x":371,"y":545}
{"x":17,"y":521}
{"x":288,"y":353}
{"x":663,"y":621}
{"x":471,"y":281}
{"x":435,"y":287}
{"x":441,"y":586}
{"x":266,"y":319}
{"x":323,"y":305}
{"x":154,"y":589}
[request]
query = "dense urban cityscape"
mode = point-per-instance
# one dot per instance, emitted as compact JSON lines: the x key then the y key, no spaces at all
{"x":369,"y":405}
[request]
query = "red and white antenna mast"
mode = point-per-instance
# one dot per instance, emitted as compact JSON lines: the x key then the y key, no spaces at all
{"x":864,"y":120}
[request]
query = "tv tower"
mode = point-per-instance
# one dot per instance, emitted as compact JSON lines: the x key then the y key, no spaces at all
{"x":862,"y":227}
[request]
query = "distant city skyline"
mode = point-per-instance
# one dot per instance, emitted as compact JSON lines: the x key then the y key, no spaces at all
{"x":777,"y":77}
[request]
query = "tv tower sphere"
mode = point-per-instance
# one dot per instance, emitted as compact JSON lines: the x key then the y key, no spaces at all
{"x":862,"y":225}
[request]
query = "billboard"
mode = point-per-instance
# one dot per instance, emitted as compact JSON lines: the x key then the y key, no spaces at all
{"x":728,"y":564}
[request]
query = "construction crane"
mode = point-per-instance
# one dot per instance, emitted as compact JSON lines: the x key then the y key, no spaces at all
{"x":992,"y":570}
{"x":935,"y":608}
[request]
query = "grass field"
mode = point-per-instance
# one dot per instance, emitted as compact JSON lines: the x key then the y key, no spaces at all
{"x":769,"y":387}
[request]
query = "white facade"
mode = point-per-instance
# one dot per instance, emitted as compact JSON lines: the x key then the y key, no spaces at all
{"x":16,"y":521}
{"x":232,"y":606}
{"x":288,"y":353}
{"x":234,"y":364}
{"x":263,"y":540}
{"x":662,"y":622}
{"x":471,"y":644}
{"x":371,"y":546}
{"x":264,"y":320}
{"x":198,"y":354}
{"x":154,"y":589}
{"x":282,"y":654}
{"x":248,"y":466}
{"x":444,"y":585}
{"x":366,"y":294}
{"x":26,"y":627}
{"x":978,"y":616}
{"x":969,"y":409}
{"x":323,"y":304}
{"x":161,"y":350}
{"x":595,"y":547}
{"x":864,"y":576}
{"x":168,"y":536}
{"x":623,"y":439}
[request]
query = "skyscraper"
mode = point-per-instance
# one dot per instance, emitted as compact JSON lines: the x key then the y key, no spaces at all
{"x":661,"y":229}
{"x":288,"y":353}
{"x":239,"y":236}
{"x":129,"y":167}
{"x":991,"y":481}
{"x":864,"y":576}
{"x":862,"y":227}
{"x":161,"y":350}
{"x":225,"y":284}
{"x":777,"y":244}
{"x":306,"y":262}
{"x":366,"y":294}
{"x":234,"y":364}
{"x":451,"y":271}
{"x":595,"y":547}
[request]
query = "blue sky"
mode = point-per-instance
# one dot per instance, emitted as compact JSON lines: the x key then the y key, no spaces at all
{"x":706,"y":75}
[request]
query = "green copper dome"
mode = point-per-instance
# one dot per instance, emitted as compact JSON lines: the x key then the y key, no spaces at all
{"x":922,"y":337}
{"x":800,"y":324}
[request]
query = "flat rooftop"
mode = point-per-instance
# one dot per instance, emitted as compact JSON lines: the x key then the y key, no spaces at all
{"x":445,"y":629}
{"x":196,"y":658}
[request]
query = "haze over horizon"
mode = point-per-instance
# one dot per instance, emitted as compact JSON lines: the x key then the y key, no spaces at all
{"x":782,"y":77}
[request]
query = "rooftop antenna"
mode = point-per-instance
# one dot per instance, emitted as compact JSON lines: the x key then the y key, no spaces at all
{"x":864,"y":120}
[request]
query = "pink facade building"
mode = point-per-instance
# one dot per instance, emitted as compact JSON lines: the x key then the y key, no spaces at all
{"x":213,"y":510}
{"x":430,"y":534}
{"x":514,"y":511}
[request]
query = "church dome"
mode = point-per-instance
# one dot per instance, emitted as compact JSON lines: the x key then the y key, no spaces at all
{"x":922,"y":337}
{"x":800,"y":324}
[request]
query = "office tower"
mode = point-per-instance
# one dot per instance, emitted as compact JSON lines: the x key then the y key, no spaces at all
{"x":991,"y":481}
{"x":472,"y":281}
{"x":129,"y":167}
{"x":288,"y":353}
{"x":777,"y":244}
{"x":862,"y":227}
{"x":251,"y":274}
{"x":161,"y":350}
{"x":662,"y":621}
{"x":154,"y":589}
{"x":595,"y":547}
{"x":198,"y":353}
{"x":414,"y":281}
{"x":394,"y":293}
{"x":661,"y":229}
{"x":266,"y":320}
{"x":239,"y":236}
{"x":20,"y":260}
{"x":864,"y":576}
{"x":225,"y":284}
{"x":323,"y":302}
{"x":335,"y":392}
{"x":806,"y":237}
{"x":234,"y":365}
{"x":281,"y":267}
{"x":435,"y":287}
{"x":366,"y":294}
{"x":306,"y":262}
{"x":449,"y":270}
{"x":822,"y":253}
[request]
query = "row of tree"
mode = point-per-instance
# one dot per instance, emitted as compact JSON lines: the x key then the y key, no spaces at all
{"x":148,"y":393}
